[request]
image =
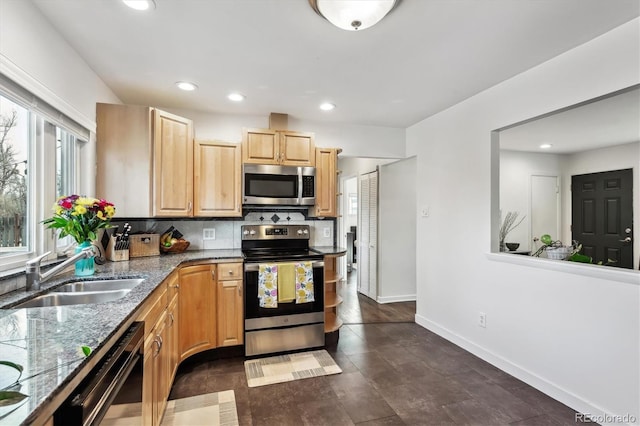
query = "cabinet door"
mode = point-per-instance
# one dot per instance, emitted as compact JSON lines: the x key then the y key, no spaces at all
{"x":297,"y":149}
{"x":172,"y":343}
{"x":217,"y":179}
{"x":173,"y":165}
{"x":148,"y":405}
{"x":161,"y":382}
{"x":326,"y":177}
{"x":260,"y":146}
{"x":230,"y":314}
{"x":197,"y":309}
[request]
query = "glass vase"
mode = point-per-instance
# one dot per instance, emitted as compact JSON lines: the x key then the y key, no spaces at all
{"x":84,"y":266}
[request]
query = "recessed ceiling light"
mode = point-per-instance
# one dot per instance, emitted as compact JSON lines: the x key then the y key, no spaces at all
{"x":327,"y":106}
{"x":186,"y":86}
{"x":140,"y":4}
{"x":545,"y":146}
{"x":236,"y":97}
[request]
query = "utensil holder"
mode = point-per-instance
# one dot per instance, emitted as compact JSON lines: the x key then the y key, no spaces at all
{"x":116,"y":255}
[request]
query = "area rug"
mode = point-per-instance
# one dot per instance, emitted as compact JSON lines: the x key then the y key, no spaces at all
{"x":286,"y":368}
{"x":218,"y":408}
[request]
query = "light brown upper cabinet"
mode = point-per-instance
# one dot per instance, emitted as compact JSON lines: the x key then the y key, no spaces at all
{"x":217,"y":179}
{"x":144,"y":161}
{"x":149,"y":166}
{"x":283,"y":147}
{"x":173,"y":165}
{"x":326,"y":183}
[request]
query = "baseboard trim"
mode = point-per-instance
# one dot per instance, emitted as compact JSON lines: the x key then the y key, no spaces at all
{"x":543,"y":385}
{"x":393,"y":299}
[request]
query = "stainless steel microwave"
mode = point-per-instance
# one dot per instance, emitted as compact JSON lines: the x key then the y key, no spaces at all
{"x":278,"y":185}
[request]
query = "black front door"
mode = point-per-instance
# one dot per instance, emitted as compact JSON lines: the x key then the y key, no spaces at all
{"x":602,"y":216}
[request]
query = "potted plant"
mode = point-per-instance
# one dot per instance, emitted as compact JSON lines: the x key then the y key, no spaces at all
{"x":81,"y":218}
{"x":509,"y":223}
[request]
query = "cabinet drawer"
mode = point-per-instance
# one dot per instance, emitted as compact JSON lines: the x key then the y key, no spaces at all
{"x":153,"y":308}
{"x":229,"y":271}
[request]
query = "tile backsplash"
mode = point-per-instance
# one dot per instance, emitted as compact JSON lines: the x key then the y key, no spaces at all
{"x":221,"y":234}
{"x":225,"y":234}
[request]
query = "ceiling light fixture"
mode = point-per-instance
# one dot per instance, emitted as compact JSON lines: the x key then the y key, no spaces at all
{"x":353,"y":15}
{"x":140,"y":4}
{"x":545,"y":146}
{"x":327,"y":106}
{"x":236,"y":97}
{"x":186,"y":86}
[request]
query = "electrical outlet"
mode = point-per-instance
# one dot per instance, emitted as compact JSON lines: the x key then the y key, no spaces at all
{"x":482,"y":320}
{"x":209,"y":234}
{"x":327,"y":232}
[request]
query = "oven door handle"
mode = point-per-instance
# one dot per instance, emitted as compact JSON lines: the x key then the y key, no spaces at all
{"x":251,"y":267}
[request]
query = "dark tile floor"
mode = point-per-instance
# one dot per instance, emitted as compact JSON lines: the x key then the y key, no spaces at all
{"x":393,"y":374}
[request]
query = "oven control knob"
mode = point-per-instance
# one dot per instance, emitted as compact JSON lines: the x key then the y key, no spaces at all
{"x":305,"y":232}
{"x":252,"y":232}
{"x":299,"y":232}
{"x":245,"y":232}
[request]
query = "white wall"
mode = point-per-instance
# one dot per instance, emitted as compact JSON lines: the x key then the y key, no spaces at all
{"x":575,"y":337}
{"x":516,"y":169}
{"x":618,"y":157}
{"x":35,"y":56}
{"x":397,"y":231}
{"x":48,"y":66}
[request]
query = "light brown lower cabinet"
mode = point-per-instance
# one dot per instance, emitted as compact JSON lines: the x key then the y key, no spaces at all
{"x":230,"y":316}
{"x":197,"y":309}
{"x":191,"y":312}
{"x":156,"y":382}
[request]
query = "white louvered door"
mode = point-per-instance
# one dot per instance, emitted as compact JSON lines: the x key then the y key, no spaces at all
{"x":368,"y":234}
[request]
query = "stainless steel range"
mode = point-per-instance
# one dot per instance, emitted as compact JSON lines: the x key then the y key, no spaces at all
{"x":280,"y":325}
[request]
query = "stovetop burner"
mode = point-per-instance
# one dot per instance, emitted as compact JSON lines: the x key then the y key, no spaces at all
{"x":278,"y":255}
{"x":277,"y":243}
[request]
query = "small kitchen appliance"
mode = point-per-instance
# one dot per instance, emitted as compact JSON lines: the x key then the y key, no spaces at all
{"x":271,"y":185}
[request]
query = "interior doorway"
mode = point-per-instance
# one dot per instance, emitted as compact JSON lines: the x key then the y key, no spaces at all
{"x":602,"y":216}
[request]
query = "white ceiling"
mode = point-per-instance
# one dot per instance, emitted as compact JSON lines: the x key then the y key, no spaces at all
{"x":425,"y":56}
{"x":613,"y":120}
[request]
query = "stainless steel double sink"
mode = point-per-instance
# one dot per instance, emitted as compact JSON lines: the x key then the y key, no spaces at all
{"x":83,"y":292}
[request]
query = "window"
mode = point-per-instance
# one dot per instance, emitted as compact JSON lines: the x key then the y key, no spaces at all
{"x":14,"y":159}
{"x":38,"y":163}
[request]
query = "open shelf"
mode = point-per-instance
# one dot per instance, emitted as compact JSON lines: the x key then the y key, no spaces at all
{"x":332,"y":277}
{"x":331,"y":300}
{"x":331,"y":322}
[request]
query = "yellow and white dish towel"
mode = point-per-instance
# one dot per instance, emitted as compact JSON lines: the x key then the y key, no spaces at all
{"x":268,"y":285}
{"x":304,"y":282}
{"x":286,"y":282}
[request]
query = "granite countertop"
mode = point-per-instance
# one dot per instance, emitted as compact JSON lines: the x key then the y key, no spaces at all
{"x":47,"y":341}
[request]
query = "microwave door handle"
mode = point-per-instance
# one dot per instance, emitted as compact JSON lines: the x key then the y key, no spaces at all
{"x":300,"y":185}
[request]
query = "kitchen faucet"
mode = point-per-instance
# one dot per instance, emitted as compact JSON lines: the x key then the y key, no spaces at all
{"x":35,"y":278}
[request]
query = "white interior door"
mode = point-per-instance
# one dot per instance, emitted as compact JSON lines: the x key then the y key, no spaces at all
{"x":368,"y":234}
{"x":545,"y":206}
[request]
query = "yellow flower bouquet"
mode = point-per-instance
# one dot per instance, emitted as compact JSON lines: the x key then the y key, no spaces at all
{"x":80,"y":217}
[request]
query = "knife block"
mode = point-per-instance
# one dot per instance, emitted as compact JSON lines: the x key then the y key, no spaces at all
{"x":116,"y":255}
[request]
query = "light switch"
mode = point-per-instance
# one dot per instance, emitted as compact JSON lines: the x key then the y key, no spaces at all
{"x":425,"y":211}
